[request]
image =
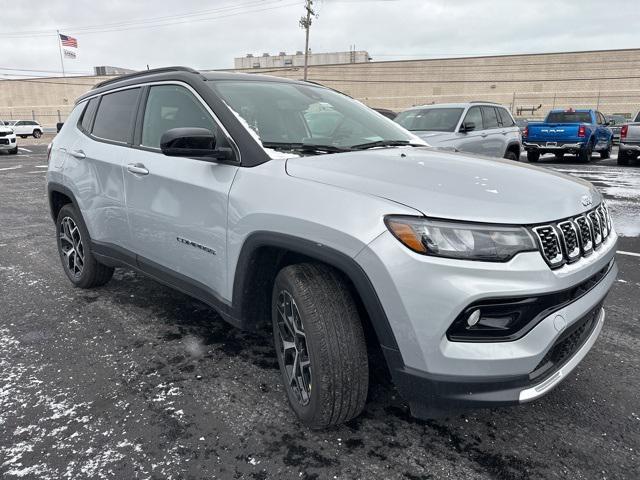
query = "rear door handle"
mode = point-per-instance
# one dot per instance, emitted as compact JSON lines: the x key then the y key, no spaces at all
{"x":78,"y":154}
{"x":138,"y":169}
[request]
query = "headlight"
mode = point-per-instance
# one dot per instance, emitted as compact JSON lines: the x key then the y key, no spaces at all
{"x":468,"y":241}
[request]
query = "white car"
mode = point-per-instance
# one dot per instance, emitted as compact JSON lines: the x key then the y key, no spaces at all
{"x":25,"y":128}
{"x":8,"y":140}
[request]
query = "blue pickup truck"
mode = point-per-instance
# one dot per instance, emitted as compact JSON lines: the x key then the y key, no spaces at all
{"x":579,"y":132}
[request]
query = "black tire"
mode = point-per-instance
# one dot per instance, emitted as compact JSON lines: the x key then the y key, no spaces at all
{"x":533,"y":156}
{"x":37,"y":133}
{"x":24,"y":136}
{"x":585,"y":154}
{"x":623,"y":157}
{"x":511,"y":155}
{"x":604,"y":154}
{"x":559,"y":156}
{"x":333,"y":343}
{"x":90,"y":273}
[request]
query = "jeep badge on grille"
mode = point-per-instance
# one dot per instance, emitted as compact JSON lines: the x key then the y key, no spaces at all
{"x":587,"y":200}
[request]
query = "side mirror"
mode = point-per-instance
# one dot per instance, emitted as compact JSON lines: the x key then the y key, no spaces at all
{"x":467,"y":127}
{"x":59,"y":126}
{"x":193,"y":142}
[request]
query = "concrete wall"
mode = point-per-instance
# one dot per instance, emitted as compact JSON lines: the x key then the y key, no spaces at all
{"x":43,"y":99}
{"x":608,"y":80}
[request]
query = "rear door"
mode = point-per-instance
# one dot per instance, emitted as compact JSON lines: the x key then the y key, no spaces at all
{"x":493,"y":138}
{"x":178,"y":206}
{"x":474,"y":141}
{"x":95,"y":162}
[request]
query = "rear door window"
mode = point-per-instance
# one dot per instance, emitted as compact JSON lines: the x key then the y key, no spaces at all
{"x":489,"y":117}
{"x":505,"y":118}
{"x":115,"y":116}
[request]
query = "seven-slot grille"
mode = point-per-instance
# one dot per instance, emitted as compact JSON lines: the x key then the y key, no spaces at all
{"x":569,"y":240}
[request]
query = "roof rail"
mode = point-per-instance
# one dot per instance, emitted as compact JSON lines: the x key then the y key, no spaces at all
{"x":484,"y":101}
{"x":142,"y":73}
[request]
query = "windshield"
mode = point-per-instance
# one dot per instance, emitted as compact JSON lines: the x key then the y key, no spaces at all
{"x":569,"y":117}
{"x":284,"y":114}
{"x":430,"y":119}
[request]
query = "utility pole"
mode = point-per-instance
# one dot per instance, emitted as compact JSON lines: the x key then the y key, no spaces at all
{"x":305,"y":22}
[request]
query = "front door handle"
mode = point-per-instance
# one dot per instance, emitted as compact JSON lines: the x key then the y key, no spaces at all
{"x":138,"y":169}
{"x":78,"y":154}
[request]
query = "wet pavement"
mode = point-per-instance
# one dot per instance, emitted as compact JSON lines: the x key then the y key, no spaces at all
{"x":133,"y":380}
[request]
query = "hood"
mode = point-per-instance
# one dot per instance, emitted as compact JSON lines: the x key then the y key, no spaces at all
{"x":5,"y":129}
{"x":451,"y":185}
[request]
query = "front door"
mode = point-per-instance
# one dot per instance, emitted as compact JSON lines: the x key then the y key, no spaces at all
{"x":178,"y":206}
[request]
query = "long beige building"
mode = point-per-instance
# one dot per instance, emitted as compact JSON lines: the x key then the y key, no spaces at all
{"x":529,"y":85}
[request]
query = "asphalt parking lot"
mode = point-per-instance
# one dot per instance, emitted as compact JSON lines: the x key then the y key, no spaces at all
{"x":133,"y":380}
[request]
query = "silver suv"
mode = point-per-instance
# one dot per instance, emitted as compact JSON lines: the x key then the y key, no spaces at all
{"x":285,"y":203}
{"x":475,"y":127}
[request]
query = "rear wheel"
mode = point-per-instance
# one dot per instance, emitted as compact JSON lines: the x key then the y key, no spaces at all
{"x":533,"y":156}
{"x":74,"y":247}
{"x":604,"y":154}
{"x":320,"y":345}
{"x":623,"y":157}
{"x":585,"y":154}
{"x":511,"y":155}
{"x":559,"y":156}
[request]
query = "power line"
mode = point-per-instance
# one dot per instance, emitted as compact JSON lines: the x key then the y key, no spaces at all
{"x":158,"y":21}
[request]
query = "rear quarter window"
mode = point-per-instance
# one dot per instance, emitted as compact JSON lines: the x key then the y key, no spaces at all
{"x":87,"y":115}
{"x":115,"y":115}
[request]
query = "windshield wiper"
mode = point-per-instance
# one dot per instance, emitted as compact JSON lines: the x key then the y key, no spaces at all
{"x":386,"y":143}
{"x":305,"y":147}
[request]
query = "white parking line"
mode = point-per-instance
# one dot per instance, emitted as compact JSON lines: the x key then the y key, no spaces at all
{"x":24,"y":149}
{"x":41,"y":166}
{"x":11,"y":168}
{"x":633,"y":254}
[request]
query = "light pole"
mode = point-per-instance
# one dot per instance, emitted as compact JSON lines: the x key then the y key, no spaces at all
{"x":305,"y":22}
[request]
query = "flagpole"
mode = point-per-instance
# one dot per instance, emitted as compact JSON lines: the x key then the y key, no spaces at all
{"x":60,"y":50}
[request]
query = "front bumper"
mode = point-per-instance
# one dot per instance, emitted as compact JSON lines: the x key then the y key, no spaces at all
{"x":8,"y":142}
{"x":423,"y":295}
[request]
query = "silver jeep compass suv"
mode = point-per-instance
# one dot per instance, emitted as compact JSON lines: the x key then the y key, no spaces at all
{"x":482,"y":280}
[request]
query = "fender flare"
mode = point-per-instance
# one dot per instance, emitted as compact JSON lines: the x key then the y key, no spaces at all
{"x":322,"y":253}
{"x":54,"y":187}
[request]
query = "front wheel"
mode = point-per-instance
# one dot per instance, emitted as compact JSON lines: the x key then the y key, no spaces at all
{"x":74,"y":247}
{"x":37,"y":134}
{"x":14,"y":151}
{"x":320,"y":345}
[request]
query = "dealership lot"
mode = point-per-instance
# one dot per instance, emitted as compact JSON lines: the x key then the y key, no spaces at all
{"x":134,"y":380}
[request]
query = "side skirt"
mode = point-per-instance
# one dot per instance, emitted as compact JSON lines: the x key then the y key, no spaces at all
{"x":115,"y":256}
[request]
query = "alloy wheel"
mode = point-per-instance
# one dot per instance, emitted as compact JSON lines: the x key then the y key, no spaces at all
{"x":293,"y":348}
{"x":71,"y":246}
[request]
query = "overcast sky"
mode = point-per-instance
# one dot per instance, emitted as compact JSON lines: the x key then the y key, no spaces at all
{"x":210,"y":33}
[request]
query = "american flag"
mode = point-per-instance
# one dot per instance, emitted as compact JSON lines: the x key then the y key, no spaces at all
{"x":68,"y":41}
